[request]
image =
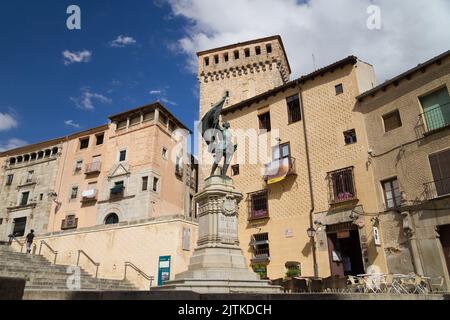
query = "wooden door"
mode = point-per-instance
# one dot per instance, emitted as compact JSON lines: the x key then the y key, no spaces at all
{"x":337,"y":267}
{"x":440,"y":166}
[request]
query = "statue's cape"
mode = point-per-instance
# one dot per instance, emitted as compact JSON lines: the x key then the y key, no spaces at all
{"x":211,"y":120}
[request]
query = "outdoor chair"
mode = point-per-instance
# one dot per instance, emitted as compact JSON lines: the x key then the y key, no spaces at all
{"x":437,"y":284}
{"x":354,"y":284}
{"x":288,"y":285}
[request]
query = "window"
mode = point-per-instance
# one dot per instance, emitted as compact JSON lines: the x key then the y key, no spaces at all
{"x":392,"y":121}
{"x":155,"y":184}
{"x":25,"y":197}
{"x":216,"y":59}
{"x":41,"y":197}
{"x":74,"y":193}
{"x":26,"y":158}
{"x":269,"y":48}
{"x":260,"y":244}
{"x":33,"y":156}
{"x":341,"y":185}
{"x":149,"y":116}
{"x":112,"y":218}
{"x":48,"y":152}
{"x":258,"y":51}
{"x":12,"y":161}
{"x":392,"y":194}
{"x":144,"y":183}
{"x":235,"y":170}
{"x":30,"y":176}
{"x":236,"y":55}
{"x":440,"y":167}
{"x":350,"y":137}
{"x":135,"y":120}
{"x":1,"y":221}
{"x":118,"y":188}
{"x":40,"y":154}
{"x":436,"y":109}
{"x":172,"y":126}
{"x":54,"y":151}
{"x":78,"y":166}
{"x":163,"y":118}
{"x":247,"y":53}
{"x":179,"y":167}
{"x":339,"y":89}
{"x":19,"y":159}
{"x":206,"y":60}
{"x":226,"y":57}
{"x":9,"y":179}
{"x":122,"y":155}
{"x":122,"y":124}
{"x":264,"y":122}
{"x":259,"y":205}
{"x":281,"y":151}
{"x":165,"y":153}
{"x":99,"y":139}
{"x":294,"y":113}
{"x":84,"y":143}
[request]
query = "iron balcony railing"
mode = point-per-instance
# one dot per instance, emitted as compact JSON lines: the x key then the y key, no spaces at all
{"x":436,"y":189}
{"x":261,"y":255}
{"x":436,"y":118}
{"x":280,"y":168}
{"x":94,"y":167}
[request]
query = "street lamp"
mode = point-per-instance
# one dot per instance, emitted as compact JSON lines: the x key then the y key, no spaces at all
{"x":311,"y":232}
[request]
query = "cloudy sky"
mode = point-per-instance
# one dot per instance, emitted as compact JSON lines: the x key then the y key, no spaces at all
{"x":54,"y":81}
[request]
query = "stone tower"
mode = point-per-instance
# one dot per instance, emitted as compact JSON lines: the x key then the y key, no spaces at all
{"x":243,"y":69}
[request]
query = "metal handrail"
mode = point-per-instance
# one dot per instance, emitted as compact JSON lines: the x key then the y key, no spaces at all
{"x":432,"y":119}
{"x":142,"y":273}
{"x":50,"y":248}
{"x":96,"y":264}
{"x":13,"y":238}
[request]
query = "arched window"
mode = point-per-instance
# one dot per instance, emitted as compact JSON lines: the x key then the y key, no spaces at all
{"x":112,"y":218}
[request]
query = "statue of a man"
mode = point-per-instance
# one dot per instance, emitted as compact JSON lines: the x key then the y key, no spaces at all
{"x":218,"y":139}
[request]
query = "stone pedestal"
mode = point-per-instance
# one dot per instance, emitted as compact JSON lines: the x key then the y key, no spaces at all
{"x":218,"y":264}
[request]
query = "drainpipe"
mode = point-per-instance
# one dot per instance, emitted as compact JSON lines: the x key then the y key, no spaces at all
{"x":308,"y":163}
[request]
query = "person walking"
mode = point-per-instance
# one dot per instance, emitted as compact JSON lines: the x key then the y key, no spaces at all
{"x":30,"y":238}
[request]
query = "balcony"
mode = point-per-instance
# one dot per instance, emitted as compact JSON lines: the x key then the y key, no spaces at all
{"x":341,"y":186}
{"x":93,"y":168}
{"x":261,"y":256}
{"x":89,"y":195}
{"x":118,"y":192}
{"x":437,"y":189}
{"x":279,"y":170}
{"x":436,"y":118}
{"x":260,"y":244}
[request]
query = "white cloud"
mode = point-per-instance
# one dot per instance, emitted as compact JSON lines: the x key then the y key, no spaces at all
{"x":412,"y":31}
{"x":76,"y":57}
{"x":122,"y":41}
{"x":162,"y":96}
{"x":12,"y":144}
{"x":8,"y":121}
{"x":87,"y":99}
{"x":72,"y":123}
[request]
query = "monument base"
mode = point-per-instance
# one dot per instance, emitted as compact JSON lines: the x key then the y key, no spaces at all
{"x":218,"y":264}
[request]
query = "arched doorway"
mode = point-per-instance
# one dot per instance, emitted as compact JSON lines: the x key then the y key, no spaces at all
{"x":112,"y":218}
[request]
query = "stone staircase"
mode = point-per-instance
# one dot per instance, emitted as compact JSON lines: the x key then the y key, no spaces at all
{"x":41,"y":275}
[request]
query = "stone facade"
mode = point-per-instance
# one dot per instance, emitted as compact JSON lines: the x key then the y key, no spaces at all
{"x":325,"y":116}
{"x":411,"y":230}
{"x":28,"y":183}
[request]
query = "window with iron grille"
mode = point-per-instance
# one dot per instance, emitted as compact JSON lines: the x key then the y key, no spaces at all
{"x":259,"y":204}
{"x":341,"y":185}
{"x":350,"y":137}
{"x":294,"y":112}
{"x":74,"y":193}
{"x":260,"y":244}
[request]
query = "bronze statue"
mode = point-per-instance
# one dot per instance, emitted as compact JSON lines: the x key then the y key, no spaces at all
{"x":218,"y":139}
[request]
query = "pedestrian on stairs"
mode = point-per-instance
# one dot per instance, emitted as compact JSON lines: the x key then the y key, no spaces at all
{"x":30,"y":238}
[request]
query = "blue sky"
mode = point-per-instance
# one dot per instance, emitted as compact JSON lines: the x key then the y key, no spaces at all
{"x":41,"y":92}
{"x":45,"y":95}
